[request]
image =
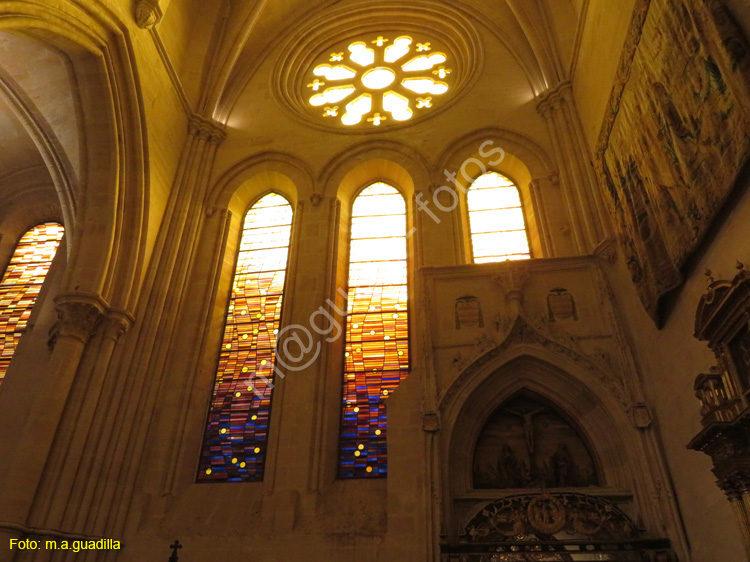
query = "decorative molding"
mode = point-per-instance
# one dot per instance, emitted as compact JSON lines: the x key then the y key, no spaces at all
{"x":637,"y":21}
{"x":521,"y":330}
{"x":727,"y":445}
{"x":447,"y":23}
{"x":640,"y":415}
{"x":171,"y":71}
{"x":607,"y":251}
{"x":431,"y":422}
{"x":315,"y":199}
{"x":206,"y":129}
{"x":548,"y":514}
{"x":147,"y":13}
{"x":554,"y":97}
{"x":116,"y":323}
{"x":78,"y":317}
{"x":512,"y":282}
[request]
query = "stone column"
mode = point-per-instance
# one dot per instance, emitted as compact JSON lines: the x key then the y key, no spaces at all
{"x":546,"y":240}
{"x":588,"y":218}
{"x":142,"y":382}
{"x":79,"y":316}
{"x":58,"y":495}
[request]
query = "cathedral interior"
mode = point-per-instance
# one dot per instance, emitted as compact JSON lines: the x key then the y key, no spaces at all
{"x":361,"y":280}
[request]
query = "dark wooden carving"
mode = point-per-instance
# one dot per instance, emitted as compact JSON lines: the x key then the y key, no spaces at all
{"x":545,"y":515}
{"x":723,"y":320}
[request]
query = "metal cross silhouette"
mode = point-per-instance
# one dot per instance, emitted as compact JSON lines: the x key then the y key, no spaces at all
{"x":175,"y":547}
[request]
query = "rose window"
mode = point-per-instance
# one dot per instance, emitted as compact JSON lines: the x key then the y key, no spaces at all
{"x":379,"y":81}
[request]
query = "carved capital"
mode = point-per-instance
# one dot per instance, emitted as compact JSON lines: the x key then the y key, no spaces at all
{"x":116,"y":323}
{"x":78,"y":316}
{"x":607,"y":251}
{"x":640,"y":415}
{"x":553,"y":98}
{"x":316,"y":199}
{"x":206,"y":129}
{"x":512,"y":282}
{"x":431,"y":422}
{"x":147,"y":13}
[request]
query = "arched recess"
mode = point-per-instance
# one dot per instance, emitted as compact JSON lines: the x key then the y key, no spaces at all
{"x":329,"y":21}
{"x":32,"y":201}
{"x":106,"y":239}
{"x":566,"y":384}
{"x":522,"y":161}
{"x":59,"y":168}
{"x":226,"y":204}
{"x":247,"y":179}
{"x":341,"y":180}
{"x":388,"y":161}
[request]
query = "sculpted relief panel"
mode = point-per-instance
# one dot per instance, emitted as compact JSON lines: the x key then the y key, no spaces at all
{"x":527,"y":444}
{"x":474,"y":316}
{"x":676,"y":136}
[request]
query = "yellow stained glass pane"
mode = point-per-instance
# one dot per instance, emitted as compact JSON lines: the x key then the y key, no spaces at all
{"x":500,"y":244}
{"x":493,"y":198}
{"x":493,"y":220}
{"x":376,"y":357}
{"x":496,"y":220}
{"x":364,"y":227}
{"x":378,"y":249}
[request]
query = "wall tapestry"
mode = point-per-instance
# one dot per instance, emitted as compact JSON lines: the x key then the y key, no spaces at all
{"x":675,"y":137}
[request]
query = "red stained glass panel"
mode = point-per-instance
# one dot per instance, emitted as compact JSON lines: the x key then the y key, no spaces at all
{"x":234,"y":446}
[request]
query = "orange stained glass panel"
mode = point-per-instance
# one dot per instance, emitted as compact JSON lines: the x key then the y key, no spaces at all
{"x":236,"y":438}
{"x":21,"y":284}
{"x":376,"y":351}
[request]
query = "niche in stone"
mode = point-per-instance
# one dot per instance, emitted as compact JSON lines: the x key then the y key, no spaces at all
{"x":527,"y":444}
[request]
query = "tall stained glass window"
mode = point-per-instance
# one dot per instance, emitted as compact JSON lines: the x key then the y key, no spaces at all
{"x":377,"y":330}
{"x":234,"y":446}
{"x":498,"y":227}
{"x":21,"y":284}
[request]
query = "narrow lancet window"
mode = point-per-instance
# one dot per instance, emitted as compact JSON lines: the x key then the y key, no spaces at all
{"x":376,"y":354}
{"x":21,"y":284}
{"x":496,"y":220}
{"x":234,"y":447}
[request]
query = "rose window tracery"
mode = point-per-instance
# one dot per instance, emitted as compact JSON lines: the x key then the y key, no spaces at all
{"x":379,"y":81}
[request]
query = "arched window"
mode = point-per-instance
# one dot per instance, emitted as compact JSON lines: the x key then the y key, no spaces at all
{"x":21,"y":284}
{"x":496,"y":221}
{"x":377,"y":330}
{"x":234,"y":446}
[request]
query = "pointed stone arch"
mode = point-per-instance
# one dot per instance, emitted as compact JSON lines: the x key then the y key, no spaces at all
{"x":108,"y":234}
